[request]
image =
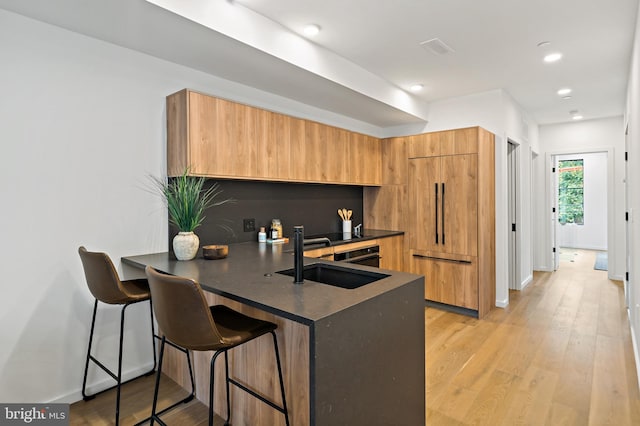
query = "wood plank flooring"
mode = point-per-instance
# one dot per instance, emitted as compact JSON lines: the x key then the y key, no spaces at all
{"x":560,"y":354}
{"x":135,"y":406}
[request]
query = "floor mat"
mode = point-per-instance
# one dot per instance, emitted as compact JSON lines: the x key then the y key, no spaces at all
{"x":601,"y":261}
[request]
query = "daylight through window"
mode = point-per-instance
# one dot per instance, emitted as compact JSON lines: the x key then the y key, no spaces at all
{"x":571,"y":191}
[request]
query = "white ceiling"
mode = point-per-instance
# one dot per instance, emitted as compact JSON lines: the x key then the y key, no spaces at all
{"x":368,"y":53}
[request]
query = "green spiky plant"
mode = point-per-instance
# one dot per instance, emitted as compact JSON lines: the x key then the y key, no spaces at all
{"x":187,"y":201}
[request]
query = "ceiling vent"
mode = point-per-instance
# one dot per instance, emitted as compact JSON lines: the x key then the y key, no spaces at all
{"x":436,"y":46}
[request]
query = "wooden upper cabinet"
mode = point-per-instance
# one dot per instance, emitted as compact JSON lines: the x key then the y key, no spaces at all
{"x":394,"y":161}
{"x":365,"y":159}
{"x":221,"y":138}
{"x":448,"y":142}
{"x":428,"y":144}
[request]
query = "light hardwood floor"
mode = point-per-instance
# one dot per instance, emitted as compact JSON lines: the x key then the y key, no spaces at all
{"x":560,"y":354}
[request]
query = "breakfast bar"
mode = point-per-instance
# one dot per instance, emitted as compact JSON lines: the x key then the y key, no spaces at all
{"x":350,"y":356}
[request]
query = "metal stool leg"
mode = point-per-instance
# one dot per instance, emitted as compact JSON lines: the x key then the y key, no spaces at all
{"x":86,"y":365}
{"x":115,"y":376}
{"x":226,"y":375}
{"x":153,"y":337}
{"x":211,"y":385}
{"x":154,"y":415}
{"x":284,"y":399}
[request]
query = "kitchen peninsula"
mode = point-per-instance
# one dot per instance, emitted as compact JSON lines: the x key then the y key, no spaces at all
{"x":350,"y":356}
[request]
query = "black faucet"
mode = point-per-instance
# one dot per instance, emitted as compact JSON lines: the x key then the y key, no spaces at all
{"x":298,"y":251}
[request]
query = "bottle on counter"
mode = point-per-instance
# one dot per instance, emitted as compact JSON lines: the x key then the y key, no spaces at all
{"x":262,"y":235}
{"x":276,"y":229}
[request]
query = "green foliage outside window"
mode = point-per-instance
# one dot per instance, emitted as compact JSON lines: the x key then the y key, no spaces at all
{"x":571,"y":191}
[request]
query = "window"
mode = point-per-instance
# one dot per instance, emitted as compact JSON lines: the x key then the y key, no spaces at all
{"x":571,"y":191}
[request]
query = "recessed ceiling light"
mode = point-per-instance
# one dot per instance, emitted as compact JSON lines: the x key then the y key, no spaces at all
{"x":577,"y":117}
{"x":311,"y":29}
{"x":564,"y":91}
{"x":553,"y":57}
{"x":417,"y":87}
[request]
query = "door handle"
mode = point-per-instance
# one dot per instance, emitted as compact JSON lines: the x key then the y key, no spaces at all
{"x":442,"y":221}
{"x":436,"y":209}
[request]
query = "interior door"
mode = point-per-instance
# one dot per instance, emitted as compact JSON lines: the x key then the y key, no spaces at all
{"x":424,"y":200}
{"x":554,"y":214}
{"x":627,"y":295}
{"x":459,"y":203}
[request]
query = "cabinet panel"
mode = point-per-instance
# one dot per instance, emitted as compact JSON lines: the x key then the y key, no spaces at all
{"x":394,"y":161}
{"x":464,"y":141}
{"x":244,"y":132}
{"x":269,"y":127}
{"x":425,"y":214}
{"x":459,"y":197}
{"x":297,"y":134}
{"x":391,"y":253}
{"x":364,"y":159}
{"x":220,"y":138}
{"x":448,"y":142}
{"x":208,"y":124}
{"x":428,"y":144}
{"x":448,"y":281}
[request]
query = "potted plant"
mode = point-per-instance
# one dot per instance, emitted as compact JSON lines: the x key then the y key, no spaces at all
{"x":187,"y":202}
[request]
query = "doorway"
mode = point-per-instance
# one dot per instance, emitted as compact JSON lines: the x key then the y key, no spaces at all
{"x":581,"y":202}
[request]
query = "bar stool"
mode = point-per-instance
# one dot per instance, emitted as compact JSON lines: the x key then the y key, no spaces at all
{"x":187,"y":320}
{"x":106,"y":287}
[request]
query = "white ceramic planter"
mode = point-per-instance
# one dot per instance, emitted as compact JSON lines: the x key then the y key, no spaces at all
{"x":185,"y":245}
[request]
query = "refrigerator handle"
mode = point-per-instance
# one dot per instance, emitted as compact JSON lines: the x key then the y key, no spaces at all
{"x":436,"y":209}
{"x":442,"y":221}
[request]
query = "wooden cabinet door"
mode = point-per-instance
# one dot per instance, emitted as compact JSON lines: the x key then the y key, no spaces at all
{"x":209,"y":125}
{"x":459,"y":204}
{"x":429,"y":144}
{"x":448,"y":281}
{"x":365,"y":162}
{"x":391,"y":249}
{"x":424,"y":201}
{"x":243,"y":142}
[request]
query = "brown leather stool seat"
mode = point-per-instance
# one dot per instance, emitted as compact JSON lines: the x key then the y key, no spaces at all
{"x":186,"y":319}
{"x":106,"y":287}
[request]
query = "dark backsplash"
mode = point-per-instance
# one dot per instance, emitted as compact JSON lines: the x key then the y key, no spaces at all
{"x":312,"y":205}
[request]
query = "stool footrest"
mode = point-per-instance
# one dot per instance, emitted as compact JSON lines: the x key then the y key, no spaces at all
{"x":257,"y":395}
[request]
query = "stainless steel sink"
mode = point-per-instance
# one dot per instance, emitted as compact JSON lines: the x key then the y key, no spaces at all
{"x":337,"y":276}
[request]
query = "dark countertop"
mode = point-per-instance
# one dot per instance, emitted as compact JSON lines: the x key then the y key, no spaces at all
{"x":248,"y":276}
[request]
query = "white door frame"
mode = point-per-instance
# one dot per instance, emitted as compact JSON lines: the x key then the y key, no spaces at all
{"x":611,"y":235}
{"x":514,"y":222}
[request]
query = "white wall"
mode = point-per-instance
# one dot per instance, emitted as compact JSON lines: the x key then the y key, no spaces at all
{"x":497,"y":112}
{"x":632,"y":120}
{"x":591,"y":235}
{"x":83,"y":125}
{"x":605,"y":134}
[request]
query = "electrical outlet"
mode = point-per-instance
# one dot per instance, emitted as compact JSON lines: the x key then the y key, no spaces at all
{"x":249,"y":225}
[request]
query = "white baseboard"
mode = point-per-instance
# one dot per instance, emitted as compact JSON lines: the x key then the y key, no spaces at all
{"x":634,"y":343}
{"x":502,"y":303}
{"x":107,"y":382}
{"x":526,"y":282}
{"x":542,"y":269}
